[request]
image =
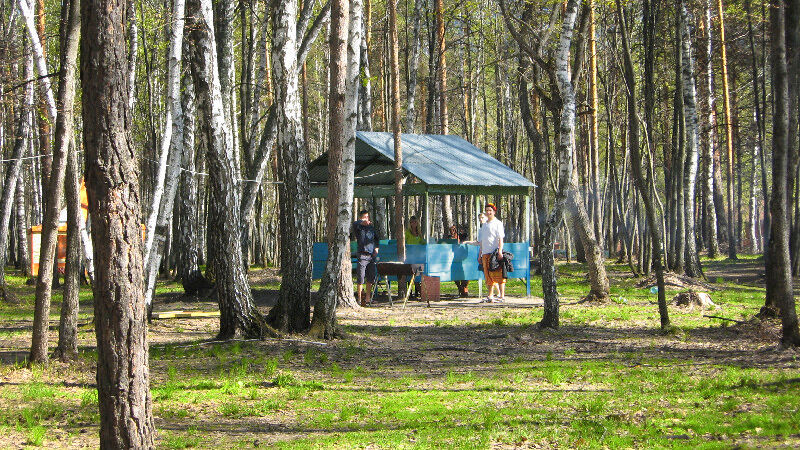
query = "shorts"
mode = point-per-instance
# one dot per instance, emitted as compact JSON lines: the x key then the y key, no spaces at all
{"x":367,"y":269}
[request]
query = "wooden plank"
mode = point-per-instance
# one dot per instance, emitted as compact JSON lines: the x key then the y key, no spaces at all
{"x":185,"y":314}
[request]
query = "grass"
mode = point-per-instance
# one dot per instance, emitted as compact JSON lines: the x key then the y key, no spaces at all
{"x":389,"y":385}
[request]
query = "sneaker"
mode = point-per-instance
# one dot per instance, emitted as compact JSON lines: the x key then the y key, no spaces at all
{"x":487,"y":300}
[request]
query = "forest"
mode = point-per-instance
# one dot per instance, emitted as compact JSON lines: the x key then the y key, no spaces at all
{"x":161,"y":223}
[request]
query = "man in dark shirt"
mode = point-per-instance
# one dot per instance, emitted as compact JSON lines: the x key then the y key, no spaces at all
{"x":367,"y":242}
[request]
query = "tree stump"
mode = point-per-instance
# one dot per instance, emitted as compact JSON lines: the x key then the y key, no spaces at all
{"x":691,"y":299}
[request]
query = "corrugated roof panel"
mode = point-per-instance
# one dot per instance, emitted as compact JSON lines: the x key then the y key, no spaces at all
{"x":437,"y":160}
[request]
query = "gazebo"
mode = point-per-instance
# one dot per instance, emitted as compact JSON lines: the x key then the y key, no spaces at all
{"x":441,"y":164}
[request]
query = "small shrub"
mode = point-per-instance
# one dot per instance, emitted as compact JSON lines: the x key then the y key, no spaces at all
{"x":285,"y":379}
{"x":270,"y":367}
{"x":36,"y":391}
{"x":36,"y":436}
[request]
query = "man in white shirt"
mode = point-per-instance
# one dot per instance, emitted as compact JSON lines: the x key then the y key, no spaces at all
{"x":491,"y":237}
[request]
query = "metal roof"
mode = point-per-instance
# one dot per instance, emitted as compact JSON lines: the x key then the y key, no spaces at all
{"x":440,"y":164}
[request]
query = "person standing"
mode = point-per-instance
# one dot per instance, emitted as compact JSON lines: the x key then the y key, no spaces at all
{"x":462,"y":285}
{"x":413,"y":233}
{"x":491,"y":237}
{"x":367,"y":240}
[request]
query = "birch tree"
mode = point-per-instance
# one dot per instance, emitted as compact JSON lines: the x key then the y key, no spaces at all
{"x":293,"y":309}
{"x":550,"y":319}
{"x":711,"y":136}
{"x":693,"y":268}
{"x":12,"y":175}
{"x":238,"y":314}
{"x":171,"y":153}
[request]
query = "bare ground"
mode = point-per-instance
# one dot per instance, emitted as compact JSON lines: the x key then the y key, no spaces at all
{"x":435,"y":340}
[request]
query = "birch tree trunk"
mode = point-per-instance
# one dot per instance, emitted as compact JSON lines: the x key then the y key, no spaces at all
{"x":188,"y":249}
{"x":123,"y":375}
{"x":550,"y":318}
{"x":23,"y":255}
{"x":754,"y":235}
{"x":132,"y":36}
{"x":292,"y":312}
{"x":711,"y":137}
{"x":238,"y":314}
{"x":55,"y":185}
{"x":779,"y":278}
{"x":13,"y":169}
{"x":38,"y":57}
{"x":169,"y":160}
{"x":693,"y":268}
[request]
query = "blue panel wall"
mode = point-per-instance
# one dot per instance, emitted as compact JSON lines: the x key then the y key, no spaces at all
{"x":447,"y":261}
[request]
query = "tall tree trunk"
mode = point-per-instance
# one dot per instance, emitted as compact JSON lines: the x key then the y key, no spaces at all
{"x":779,"y":278}
{"x":159,"y":220}
{"x":39,"y":58}
{"x":413,"y":66}
{"x":732,"y":241}
{"x":188,"y":248}
{"x":441,"y":46}
{"x":42,"y":118}
{"x":754,"y":230}
{"x":711,"y":137}
{"x":365,"y":86}
{"x":237,"y":311}
{"x":550,"y":319}
{"x":23,"y":254}
{"x":292,"y":313}
{"x":693,"y":268}
{"x":594,"y":134}
{"x":55,"y":184}
{"x":12,"y":175}
{"x":345,"y":50}
{"x":399,"y":214}
{"x":759,"y":118}
{"x":132,"y":36}
{"x":793,"y":150}
{"x":67,"y":348}
{"x":123,"y":375}
{"x":636,"y":169}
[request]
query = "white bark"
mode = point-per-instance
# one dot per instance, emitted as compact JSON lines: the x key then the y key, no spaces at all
{"x":692,"y":144}
{"x":38,"y":56}
{"x":293,"y":308}
{"x":351,"y":104}
{"x":13,"y":169}
{"x":133,"y":50}
{"x":755,"y":240}
{"x":168,"y":150}
{"x":565,"y":143}
{"x":708,"y":175}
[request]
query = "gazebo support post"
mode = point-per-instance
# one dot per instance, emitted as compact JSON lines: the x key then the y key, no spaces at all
{"x":526,"y":222}
{"x":477,"y":228}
